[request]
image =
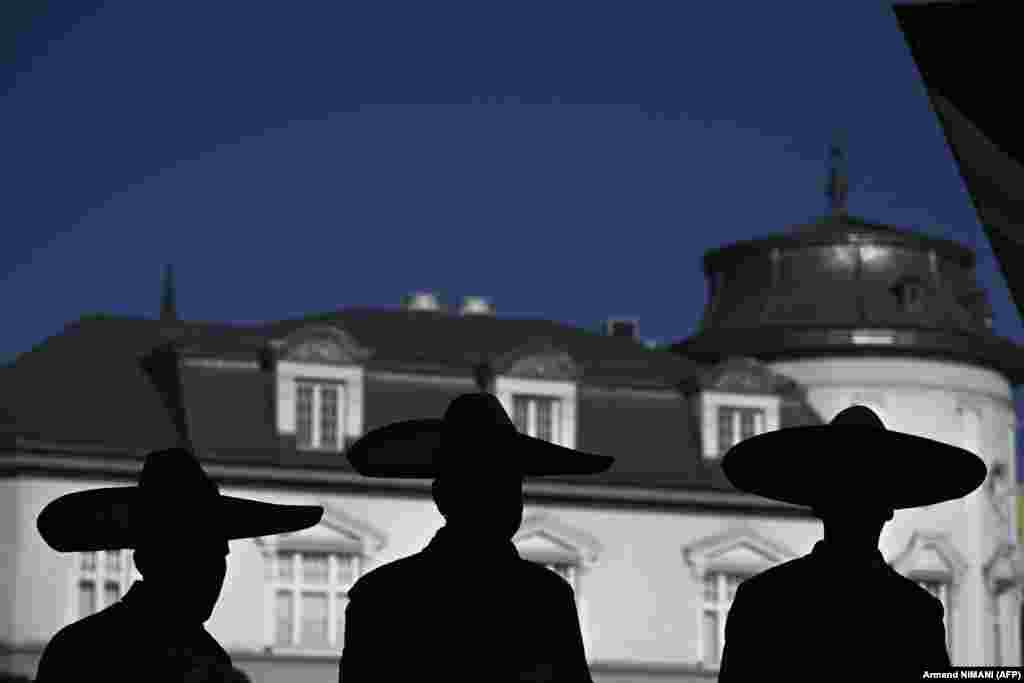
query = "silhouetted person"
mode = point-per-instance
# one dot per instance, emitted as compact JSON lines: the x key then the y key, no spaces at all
{"x":179,"y":525}
{"x":467,"y":607}
{"x":841,"y":611}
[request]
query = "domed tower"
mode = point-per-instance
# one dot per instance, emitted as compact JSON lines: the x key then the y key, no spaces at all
{"x":864,"y":313}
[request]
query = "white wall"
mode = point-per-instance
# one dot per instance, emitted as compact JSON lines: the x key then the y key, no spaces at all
{"x":955,"y":403}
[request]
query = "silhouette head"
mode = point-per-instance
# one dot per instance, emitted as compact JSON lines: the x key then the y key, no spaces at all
{"x":488,"y":505}
{"x":185,"y":575}
{"x":177,"y":522}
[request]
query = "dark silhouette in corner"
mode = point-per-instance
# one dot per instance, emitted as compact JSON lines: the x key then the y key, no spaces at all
{"x":841,"y":610}
{"x":179,"y":525}
{"x":467,"y":606}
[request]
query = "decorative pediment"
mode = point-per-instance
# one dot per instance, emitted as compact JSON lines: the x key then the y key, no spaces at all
{"x":321,"y":344}
{"x":542,"y":361}
{"x":545,"y":538}
{"x":931,"y":556}
{"x":739,"y":550}
{"x":337,"y":532}
{"x":1004,"y":570}
{"x":744,"y":376}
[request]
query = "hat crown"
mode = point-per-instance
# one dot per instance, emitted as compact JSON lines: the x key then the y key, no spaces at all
{"x":858,"y":416}
{"x":477,"y":414}
{"x":175,"y":472}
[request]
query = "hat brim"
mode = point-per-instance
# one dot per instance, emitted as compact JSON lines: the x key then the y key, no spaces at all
{"x":412,"y":449}
{"x":118,"y":517}
{"x":811,"y":466}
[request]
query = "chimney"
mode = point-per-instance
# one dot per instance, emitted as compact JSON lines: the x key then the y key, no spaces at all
{"x":623,"y":327}
{"x":422,"y":301}
{"x":476,"y":305}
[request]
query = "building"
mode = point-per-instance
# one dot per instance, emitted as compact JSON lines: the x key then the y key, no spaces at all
{"x":798,"y":326}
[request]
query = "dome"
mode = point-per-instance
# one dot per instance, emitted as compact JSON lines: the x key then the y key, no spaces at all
{"x":845,"y":285}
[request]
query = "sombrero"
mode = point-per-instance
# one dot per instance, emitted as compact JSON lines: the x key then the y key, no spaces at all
{"x":852,"y":459}
{"x":174,"y":496}
{"x":475,"y":435}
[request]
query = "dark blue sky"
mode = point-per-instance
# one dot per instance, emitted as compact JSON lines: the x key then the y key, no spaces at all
{"x":571,"y":161}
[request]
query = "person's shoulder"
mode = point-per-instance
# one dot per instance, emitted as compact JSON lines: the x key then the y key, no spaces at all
{"x":82,"y":634}
{"x":785,"y":572}
{"x":913,"y":593}
{"x":389,"y":577}
{"x":540,"y":577}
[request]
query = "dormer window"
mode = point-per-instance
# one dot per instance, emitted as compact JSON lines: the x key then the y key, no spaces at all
{"x":740,"y":398}
{"x":730,"y":418}
{"x":319,"y":414}
{"x":537,"y":387}
{"x":538,"y":416}
{"x":736,"y":423}
{"x":910,"y":292}
{"x":320,"y":389}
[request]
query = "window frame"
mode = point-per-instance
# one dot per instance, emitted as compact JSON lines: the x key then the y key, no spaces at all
{"x":318,"y":386}
{"x":720,"y":605}
{"x":565,"y":426}
{"x":712,"y":401}
{"x":297,"y":588}
{"x":125,"y":577}
{"x":291,"y":374}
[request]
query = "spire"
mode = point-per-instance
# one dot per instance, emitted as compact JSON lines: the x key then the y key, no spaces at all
{"x":168,"y":305}
{"x":838,"y":182}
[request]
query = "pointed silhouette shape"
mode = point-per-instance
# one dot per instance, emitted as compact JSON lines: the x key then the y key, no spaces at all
{"x":168,"y":297}
{"x":981,"y":131}
{"x":838,"y":187}
{"x":467,"y":606}
{"x":179,"y":525}
{"x":162,"y":366}
{"x":841,"y":608}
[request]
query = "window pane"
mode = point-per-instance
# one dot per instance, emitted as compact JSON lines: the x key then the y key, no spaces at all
{"x":314,"y":620}
{"x":329,"y":417}
{"x":731,"y":584}
{"x":285,"y":568}
{"x":86,"y":598}
{"x":711,"y":587}
{"x":88,"y":562}
{"x":711,"y":645}
{"x":520,"y":405}
{"x":346,"y":570}
{"x":111,"y":593}
{"x":725,"y":439}
{"x":304,"y":415}
{"x":747,"y":426}
{"x":285,"y":617}
{"x":544,"y":426}
{"x":314,"y":568}
{"x":112,"y":561}
{"x":341,"y":602}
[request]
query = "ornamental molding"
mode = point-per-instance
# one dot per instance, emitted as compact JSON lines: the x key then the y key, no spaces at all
{"x":321,"y":344}
{"x":740,"y":550}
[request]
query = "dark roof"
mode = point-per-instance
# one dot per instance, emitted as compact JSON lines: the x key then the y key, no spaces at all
{"x":460,"y":343}
{"x":841,"y":229}
{"x":85,"y":386}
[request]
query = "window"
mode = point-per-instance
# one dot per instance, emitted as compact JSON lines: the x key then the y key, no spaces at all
{"x":719,"y":591}
{"x":940,"y":589}
{"x":737,"y":423}
{"x":538,"y":416}
{"x":101,"y":579}
{"x":318,"y":414}
{"x":310,"y":596}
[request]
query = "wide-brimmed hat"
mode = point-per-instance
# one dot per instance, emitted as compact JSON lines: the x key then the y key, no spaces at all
{"x":853,"y":459}
{"x":475,"y":435}
{"x":174,"y":497}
